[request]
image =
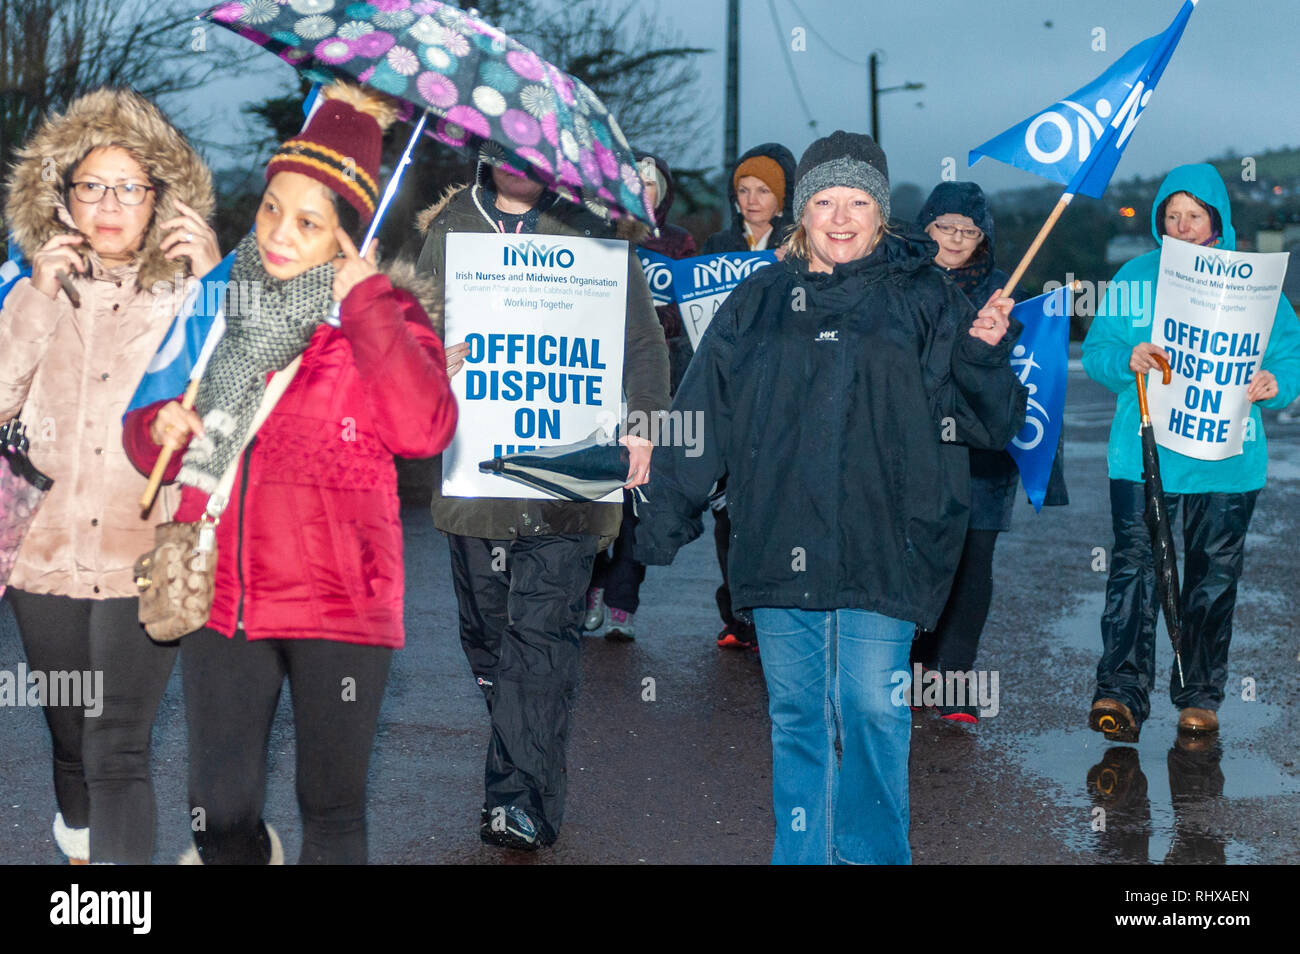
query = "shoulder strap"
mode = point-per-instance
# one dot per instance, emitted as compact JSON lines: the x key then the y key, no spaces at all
{"x":275,"y":389}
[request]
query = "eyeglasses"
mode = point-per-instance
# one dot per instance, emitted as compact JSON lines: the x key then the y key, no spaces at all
{"x":127,"y":193}
{"x":951,"y":230}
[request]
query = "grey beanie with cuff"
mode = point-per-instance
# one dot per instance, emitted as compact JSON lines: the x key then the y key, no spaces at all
{"x":851,"y":160}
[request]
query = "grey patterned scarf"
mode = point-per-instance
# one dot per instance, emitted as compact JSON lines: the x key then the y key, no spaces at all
{"x":268,"y":324}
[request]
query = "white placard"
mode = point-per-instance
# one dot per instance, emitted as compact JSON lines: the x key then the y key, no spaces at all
{"x":544,"y":316}
{"x":1214,"y":311}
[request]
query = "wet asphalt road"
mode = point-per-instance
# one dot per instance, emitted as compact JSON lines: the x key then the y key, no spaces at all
{"x":686,"y":778}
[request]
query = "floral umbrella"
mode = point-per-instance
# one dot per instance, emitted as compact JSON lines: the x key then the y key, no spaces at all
{"x":490,"y":93}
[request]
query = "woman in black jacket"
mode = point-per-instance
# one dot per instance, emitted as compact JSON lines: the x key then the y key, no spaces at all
{"x":840,"y":391}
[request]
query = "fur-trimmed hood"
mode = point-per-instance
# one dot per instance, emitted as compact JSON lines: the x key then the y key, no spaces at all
{"x":403,"y":274}
{"x":35,"y":209}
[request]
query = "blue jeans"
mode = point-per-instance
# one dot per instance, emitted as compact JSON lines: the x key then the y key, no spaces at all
{"x":830,"y":676}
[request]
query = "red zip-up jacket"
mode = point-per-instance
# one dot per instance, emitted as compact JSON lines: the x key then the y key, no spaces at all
{"x":310,"y":544}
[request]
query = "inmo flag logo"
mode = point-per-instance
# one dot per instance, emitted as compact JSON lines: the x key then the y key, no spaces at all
{"x":1078,"y":140}
{"x":1089,"y":125}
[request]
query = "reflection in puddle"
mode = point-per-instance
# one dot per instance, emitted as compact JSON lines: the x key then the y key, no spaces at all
{"x":1177,"y":811}
{"x":1121,"y":813}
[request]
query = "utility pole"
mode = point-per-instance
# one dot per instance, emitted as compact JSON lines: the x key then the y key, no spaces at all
{"x":731,"y":138}
{"x":875,"y":92}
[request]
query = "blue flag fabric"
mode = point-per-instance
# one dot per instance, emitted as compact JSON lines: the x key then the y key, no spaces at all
{"x":659,"y":275}
{"x":1078,"y":141}
{"x":168,"y":373}
{"x":1041,"y":361}
{"x":11,"y":271}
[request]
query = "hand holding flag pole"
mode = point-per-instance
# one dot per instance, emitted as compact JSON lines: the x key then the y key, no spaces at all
{"x":191,"y":392}
{"x":1086,"y":156}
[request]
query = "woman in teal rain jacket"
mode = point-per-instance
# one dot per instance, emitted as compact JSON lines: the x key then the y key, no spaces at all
{"x":1216,"y":498}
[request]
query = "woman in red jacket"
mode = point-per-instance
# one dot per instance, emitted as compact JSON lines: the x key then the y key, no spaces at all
{"x":309,"y":575}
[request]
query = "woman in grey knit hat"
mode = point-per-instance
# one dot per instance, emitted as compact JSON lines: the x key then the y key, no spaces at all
{"x":842,"y":387}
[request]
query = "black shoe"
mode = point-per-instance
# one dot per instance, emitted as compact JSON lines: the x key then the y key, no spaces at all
{"x":509,"y":826}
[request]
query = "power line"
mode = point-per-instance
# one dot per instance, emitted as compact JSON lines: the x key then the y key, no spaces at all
{"x":831,"y":49}
{"x":789,"y":64}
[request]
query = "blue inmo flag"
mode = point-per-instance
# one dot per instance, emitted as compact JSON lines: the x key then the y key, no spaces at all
{"x":1041,"y":361}
{"x":1078,"y":141}
{"x":201,"y":318}
{"x":658,"y":275}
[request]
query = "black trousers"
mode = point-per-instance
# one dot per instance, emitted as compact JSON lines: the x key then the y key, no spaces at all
{"x":1211,"y":557}
{"x":101,"y":763}
{"x":521,"y":607}
{"x":953,"y":645}
{"x":617,"y":573}
{"x":232,"y":688}
{"x":722,"y":546}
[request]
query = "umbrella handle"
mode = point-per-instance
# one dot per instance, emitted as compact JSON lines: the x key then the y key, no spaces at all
{"x":1166,"y":374}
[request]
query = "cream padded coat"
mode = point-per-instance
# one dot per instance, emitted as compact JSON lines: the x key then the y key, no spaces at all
{"x":70,"y":372}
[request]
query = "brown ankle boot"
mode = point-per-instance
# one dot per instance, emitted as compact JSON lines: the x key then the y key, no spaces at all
{"x":1196,"y":720}
{"x":1115,"y":720}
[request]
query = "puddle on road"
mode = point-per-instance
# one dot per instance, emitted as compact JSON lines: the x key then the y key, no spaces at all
{"x":1164,"y":796}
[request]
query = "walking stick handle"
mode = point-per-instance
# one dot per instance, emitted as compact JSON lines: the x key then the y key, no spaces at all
{"x":160,"y":466}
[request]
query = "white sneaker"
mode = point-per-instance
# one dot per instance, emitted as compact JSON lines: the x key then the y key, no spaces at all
{"x":622,"y":628}
{"x":596,"y":611}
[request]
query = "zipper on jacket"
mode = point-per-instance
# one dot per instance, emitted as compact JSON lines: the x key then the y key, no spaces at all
{"x":239,"y":529}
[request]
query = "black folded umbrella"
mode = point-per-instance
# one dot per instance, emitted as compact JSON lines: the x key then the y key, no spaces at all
{"x":1159,"y":525}
{"x":584,"y":472}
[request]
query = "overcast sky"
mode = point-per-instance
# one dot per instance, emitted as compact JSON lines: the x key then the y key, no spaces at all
{"x":1232,"y":86}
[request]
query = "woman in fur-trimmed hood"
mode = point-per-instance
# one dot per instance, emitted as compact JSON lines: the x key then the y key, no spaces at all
{"x":36,"y":208}
{"x":107,"y":203}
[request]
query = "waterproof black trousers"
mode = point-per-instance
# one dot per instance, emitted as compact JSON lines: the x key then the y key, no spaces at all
{"x":1210,"y":558}
{"x":521,"y":605}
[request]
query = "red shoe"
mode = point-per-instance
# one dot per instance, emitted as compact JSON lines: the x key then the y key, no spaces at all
{"x":966,"y":718}
{"x":728,"y":639}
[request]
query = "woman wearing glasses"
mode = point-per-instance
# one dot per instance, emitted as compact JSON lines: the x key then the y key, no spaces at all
{"x":957,"y":219}
{"x":108,"y":203}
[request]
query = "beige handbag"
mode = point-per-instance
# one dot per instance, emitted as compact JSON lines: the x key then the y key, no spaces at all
{"x":177,"y":577}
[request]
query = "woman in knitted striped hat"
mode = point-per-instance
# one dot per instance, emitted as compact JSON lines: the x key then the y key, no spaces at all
{"x":309,"y":576}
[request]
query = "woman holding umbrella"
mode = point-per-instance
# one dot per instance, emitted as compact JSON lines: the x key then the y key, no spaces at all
{"x":309,"y":579}
{"x":1217,"y":498}
{"x":842,"y":388}
{"x":108,"y":201}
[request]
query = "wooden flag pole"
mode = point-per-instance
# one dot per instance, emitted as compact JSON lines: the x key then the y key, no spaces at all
{"x":160,"y":468}
{"x":1019,"y":273}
